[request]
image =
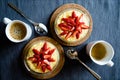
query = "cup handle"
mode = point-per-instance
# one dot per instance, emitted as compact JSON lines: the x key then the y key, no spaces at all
{"x":6,"y":20}
{"x":110,"y":63}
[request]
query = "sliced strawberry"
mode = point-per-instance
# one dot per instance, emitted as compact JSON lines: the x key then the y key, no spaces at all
{"x":77,"y":35}
{"x":78,"y":28}
{"x":77,"y":20}
{"x":51,"y":60}
{"x":68,"y":20}
{"x":36,"y":51}
{"x":68,"y":35}
{"x":42,"y":63}
{"x":38,"y":65}
{"x":49,"y":67}
{"x":51,"y":51}
{"x":36,"y":56}
{"x":47,"y":56}
{"x":46,"y":62}
{"x":84,"y":26}
{"x":33,"y":59}
{"x":74,"y":33}
{"x":44,"y":48}
{"x":64,"y":28}
{"x":64,"y":25}
{"x":63,"y":33}
{"x":73,"y":14}
{"x":43,"y":68}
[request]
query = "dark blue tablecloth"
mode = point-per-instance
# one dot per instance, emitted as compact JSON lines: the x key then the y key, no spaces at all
{"x":106,"y":21}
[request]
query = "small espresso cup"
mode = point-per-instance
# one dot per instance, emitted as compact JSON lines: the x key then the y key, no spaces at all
{"x":101,"y":52}
{"x":16,"y":30}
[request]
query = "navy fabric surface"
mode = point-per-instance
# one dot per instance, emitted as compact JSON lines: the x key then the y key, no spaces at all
{"x":106,"y":26}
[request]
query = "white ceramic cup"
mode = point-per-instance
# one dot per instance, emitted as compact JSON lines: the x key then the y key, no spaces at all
{"x":107,"y":59}
{"x":9,"y":23}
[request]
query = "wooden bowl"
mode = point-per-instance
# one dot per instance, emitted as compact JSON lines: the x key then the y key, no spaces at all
{"x":49,"y":74}
{"x":59,"y":11}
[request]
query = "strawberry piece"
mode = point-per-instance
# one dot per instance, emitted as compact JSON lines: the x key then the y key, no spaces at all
{"x":68,"y":20}
{"x":47,"y":56}
{"x":78,"y":28}
{"x":36,"y":56}
{"x":84,"y":26}
{"x":32,"y":59}
{"x":46,"y":62}
{"x":44,"y":48}
{"x":68,"y":35}
{"x":51,"y":51}
{"x":63,"y":33}
{"x":51,"y":60}
{"x":73,"y":14}
{"x":43,"y":68}
{"x":77,"y":35}
{"x":35,"y":51}
{"x":38,"y":65}
{"x":64,"y":28}
{"x":49,"y":67}
{"x":64,"y":25}
{"x":74,"y":33}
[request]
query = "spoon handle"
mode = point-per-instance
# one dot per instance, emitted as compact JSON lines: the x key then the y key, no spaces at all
{"x":20,"y":12}
{"x":98,"y":77}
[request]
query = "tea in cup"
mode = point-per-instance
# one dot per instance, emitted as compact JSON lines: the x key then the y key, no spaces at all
{"x":101,"y":52}
{"x":17,"y":31}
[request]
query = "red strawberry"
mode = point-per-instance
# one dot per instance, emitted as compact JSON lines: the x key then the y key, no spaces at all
{"x":74,"y":33}
{"x":64,"y":33}
{"x":84,"y":26}
{"x":32,"y":59}
{"x":64,"y":28}
{"x":73,"y":15}
{"x":64,"y":25}
{"x":49,"y":67}
{"x":68,"y":20}
{"x":68,"y":35}
{"x":46,"y":56}
{"x":38,"y":65}
{"x":35,"y":51}
{"x":46,"y":62}
{"x":44,"y":48}
{"x":51,"y":51}
{"x":36,"y":56}
{"x":43,"y":68}
{"x":77,"y":35}
{"x":78,"y":28}
{"x":51,"y":60}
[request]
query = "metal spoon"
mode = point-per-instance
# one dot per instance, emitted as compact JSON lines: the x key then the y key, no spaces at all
{"x":39,"y":27}
{"x":72,"y":54}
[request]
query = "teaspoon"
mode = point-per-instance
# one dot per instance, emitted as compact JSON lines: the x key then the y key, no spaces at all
{"x":39,"y":27}
{"x":72,"y":54}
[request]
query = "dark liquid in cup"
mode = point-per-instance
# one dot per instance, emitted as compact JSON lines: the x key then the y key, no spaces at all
{"x":98,"y":51}
{"x":18,"y":31}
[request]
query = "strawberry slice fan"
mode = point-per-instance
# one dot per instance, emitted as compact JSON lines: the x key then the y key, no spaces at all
{"x":71,"y":26}
{"x":43,"y":57}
